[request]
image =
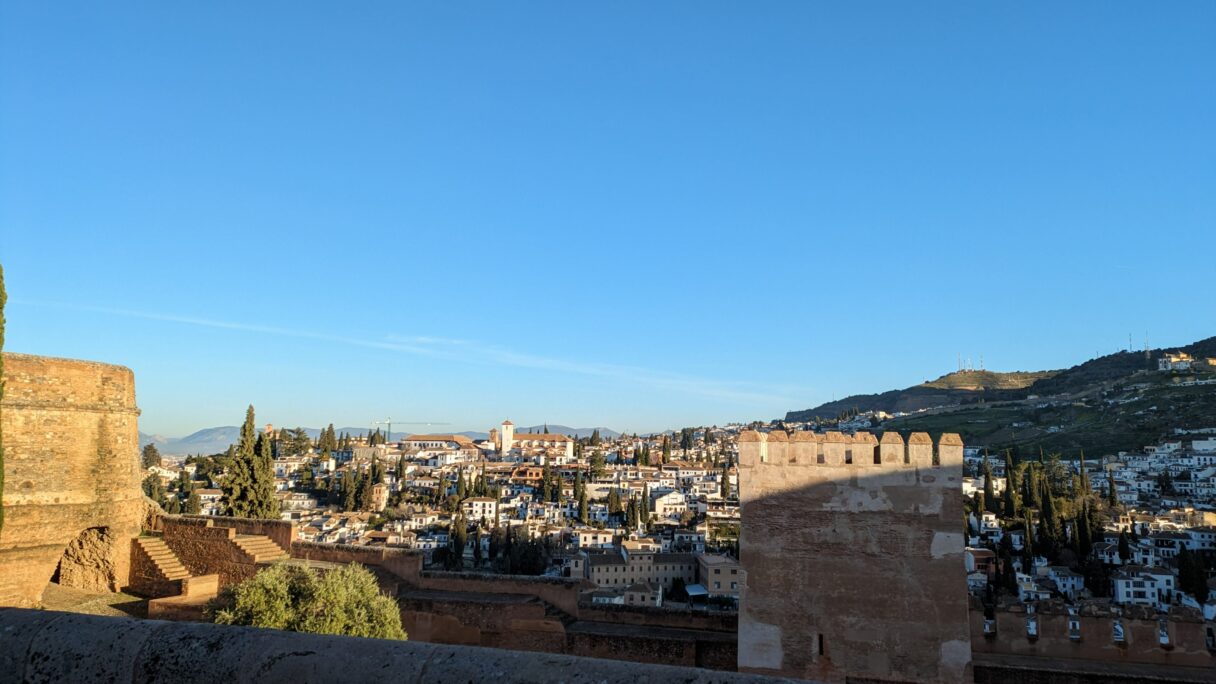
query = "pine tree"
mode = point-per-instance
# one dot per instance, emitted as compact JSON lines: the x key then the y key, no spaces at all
{"x":150,"y":456}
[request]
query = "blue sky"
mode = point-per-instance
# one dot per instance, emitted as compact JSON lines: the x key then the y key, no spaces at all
{"x":636,"y":215}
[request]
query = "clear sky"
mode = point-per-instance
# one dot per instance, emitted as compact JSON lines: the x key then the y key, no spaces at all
{"x":637,"y":215}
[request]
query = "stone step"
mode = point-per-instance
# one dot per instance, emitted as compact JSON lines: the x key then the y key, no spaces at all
{"x":166,"y":562}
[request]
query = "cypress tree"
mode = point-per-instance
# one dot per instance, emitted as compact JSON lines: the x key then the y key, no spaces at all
{"x":1049,"y":525}
{"x":583,"y":514}
{"x":477,"y":548}
{"x":1112,"y":494}
{"x":350,"y":491}
{"x":1010,"y":495}
{"x":194,"y":505}
{"x":990,"y":503}
{"x":366,"y":499}
{"x":262,"y":502}
{"x":238,"y":484}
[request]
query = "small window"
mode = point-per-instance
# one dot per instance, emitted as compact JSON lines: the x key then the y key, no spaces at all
{"x":819,"y":458}
{"x":820,"y":644}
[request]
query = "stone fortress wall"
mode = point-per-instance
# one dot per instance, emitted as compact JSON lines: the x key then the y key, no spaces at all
{"x":854,"y":555}
{"x":72,"y":480}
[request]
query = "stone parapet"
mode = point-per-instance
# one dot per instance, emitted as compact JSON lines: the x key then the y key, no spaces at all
{"x":66,"y":647}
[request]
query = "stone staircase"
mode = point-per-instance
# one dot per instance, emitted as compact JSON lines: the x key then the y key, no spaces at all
{"x":260,"y":548}
{"x":166,"y":562}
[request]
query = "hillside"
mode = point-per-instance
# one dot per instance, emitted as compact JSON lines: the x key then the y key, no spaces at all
{"x":1117,"y":402}
{"x":952,"y":389}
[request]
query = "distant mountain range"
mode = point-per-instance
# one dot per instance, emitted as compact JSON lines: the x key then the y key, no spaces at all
{"x":216,"y":439}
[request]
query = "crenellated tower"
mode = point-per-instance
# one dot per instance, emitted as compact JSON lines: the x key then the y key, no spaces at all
{"x":853,"y":547}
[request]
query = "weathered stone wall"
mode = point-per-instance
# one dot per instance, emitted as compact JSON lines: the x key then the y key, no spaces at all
{"x":854,"y":557}
{"x":71,"y":465}
{"x":1188,"y":645}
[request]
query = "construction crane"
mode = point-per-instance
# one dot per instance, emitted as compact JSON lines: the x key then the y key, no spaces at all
{"x":389,"y":423}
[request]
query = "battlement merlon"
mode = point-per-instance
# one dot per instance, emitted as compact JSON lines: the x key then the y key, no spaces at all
{"x":861,"y":451}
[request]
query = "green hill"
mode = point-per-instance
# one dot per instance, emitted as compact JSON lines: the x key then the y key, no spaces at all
{"x":1118,"y":402}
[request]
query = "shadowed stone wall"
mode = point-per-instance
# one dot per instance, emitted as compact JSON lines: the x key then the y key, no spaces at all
{"x":854,"y":557}
{"x":64,"y":647}
{"x":71,"y":473}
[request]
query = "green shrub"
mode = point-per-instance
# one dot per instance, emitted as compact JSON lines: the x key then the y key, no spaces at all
{"x":344,"y":601}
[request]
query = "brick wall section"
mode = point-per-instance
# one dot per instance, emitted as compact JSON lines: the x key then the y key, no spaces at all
{"x":207,"y":550}
{"x":660,"y":617}
{"x":71,"y":464}
{"x":854,"y":555}
{"x":404,"y":564}
{"x":281,"y":532}
{"x":559,"y":592}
